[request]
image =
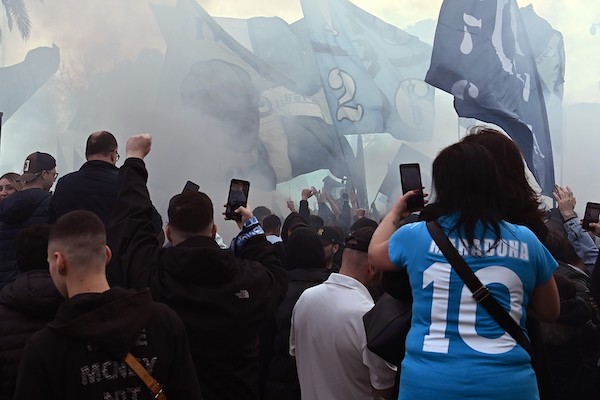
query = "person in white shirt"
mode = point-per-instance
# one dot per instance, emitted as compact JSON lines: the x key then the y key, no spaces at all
{"x":328,"y":337}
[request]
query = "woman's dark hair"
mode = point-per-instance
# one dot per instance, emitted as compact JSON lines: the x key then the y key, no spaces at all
{"x":520,"y":204}
{"x":467,"y":181}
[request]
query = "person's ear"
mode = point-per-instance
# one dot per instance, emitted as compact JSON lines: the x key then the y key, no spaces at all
{"x":61,"y":263}
{"x":108,"y":254}
{"x":213,"y":231}
{"x":168,"y":233}
{"x":372,"y":270}
{"x":336,"y":247}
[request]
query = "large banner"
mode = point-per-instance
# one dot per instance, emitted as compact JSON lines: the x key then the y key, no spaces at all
{"x":483,"y":57}
{"x":372,"y":72}
{"x":269,"y":127}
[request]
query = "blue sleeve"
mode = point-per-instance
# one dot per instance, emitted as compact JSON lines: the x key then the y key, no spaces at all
{"x":582,"y":242}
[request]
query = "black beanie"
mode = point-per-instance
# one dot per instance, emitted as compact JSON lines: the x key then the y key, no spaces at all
{"x":303,"y":249}
{"x":292,"y":221}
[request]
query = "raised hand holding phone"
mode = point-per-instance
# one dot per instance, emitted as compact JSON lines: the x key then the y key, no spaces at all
{"x":410,"y":178}
{"x":238,"y":197}
{"x":591,"y":216}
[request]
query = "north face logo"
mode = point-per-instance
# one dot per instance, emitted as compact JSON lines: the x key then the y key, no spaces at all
{"x":243,"y":294}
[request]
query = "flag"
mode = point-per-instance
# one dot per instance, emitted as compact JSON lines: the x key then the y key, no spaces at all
{"x":548,"y":50}
{"x":20,"y":81}
{"x":285,"y":47}
{"x":295,"y":123}
{"x":216,"y":91}
{"x":192,"y":36}
{"x":299,"y":136}
{"x":390,"y":186}
{"x":372,"y":72}
{"x":482,"y":56}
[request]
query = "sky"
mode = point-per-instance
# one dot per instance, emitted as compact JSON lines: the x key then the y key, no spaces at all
{"x":95,"y":36}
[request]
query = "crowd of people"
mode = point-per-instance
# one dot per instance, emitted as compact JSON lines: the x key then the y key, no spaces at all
{"x":99,"y":299}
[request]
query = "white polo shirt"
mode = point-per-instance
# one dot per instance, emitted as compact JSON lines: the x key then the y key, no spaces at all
{"x":328,"y":339}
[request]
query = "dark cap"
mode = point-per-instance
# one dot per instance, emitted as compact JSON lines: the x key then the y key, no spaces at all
{"x":329,"y":234}
{"x":359,"y":239}
{"x":362,"y":222}
{"x":35,"y":164}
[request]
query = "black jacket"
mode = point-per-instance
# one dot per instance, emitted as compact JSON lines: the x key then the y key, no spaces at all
{"x":221,"y":299}
{"x":19,"y":210}
{"x":27,"y":304}
{"x":282,"y":378}
{"x":79,"y":355}
{"x":92,"y":188}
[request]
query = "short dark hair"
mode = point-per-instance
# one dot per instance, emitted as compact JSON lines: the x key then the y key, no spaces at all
{"x":101,"y":142}
{"x":190,"y":212}
{"x":261,"y":212}
{"x":31,"y":246}
{"x":271,"y":222}
{"x":80,"y":233}
{"x":315,"y":222}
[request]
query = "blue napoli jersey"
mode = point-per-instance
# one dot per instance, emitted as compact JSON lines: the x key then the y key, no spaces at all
{"x":454,"y":346}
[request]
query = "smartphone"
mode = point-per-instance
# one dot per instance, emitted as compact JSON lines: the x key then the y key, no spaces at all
{"x":190,"y":187}
{"x":410,"y":178}
{"x":238,"y":197}
{"x":592,"y":212}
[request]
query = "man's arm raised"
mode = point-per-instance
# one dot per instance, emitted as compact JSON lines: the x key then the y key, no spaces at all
{"x":131,"y":234}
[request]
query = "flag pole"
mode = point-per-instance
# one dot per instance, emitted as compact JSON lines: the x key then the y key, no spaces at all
{"x":363,"y":198}
{"x":1,"y":114}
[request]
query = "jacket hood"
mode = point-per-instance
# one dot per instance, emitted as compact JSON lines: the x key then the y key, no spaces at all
{"x":111,"y":321}
{"x":182,"y":261}
{"x":304,"y":249}
{"x":32,"y":293}
{"x":292,"y":221}
{"x":20,"y":206}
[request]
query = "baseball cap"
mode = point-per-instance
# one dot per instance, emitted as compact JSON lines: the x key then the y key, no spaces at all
{"x":329,"y":234}
{"x":35,"y":164}
{"x":359,"y":239}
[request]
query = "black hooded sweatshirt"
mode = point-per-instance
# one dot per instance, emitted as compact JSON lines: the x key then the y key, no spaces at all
{"x":221,"y":299}
{"x":79,"y":355}
{"x":27,"y":304}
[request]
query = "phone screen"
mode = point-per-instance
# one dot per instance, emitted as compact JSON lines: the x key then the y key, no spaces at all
{"x":238,"y":197}
{"x":410,"y":177}
{"x":190,"y":187}
{"x":592,"y":213}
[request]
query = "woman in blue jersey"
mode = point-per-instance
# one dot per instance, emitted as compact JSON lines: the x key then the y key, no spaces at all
{"x":455,"y":349}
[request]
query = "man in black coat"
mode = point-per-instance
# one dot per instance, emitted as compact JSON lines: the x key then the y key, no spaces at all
{"x":94,"y":186}
{"x":29,"y":206}
{"x":81,"y":353}
{"x":222,"y":296}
